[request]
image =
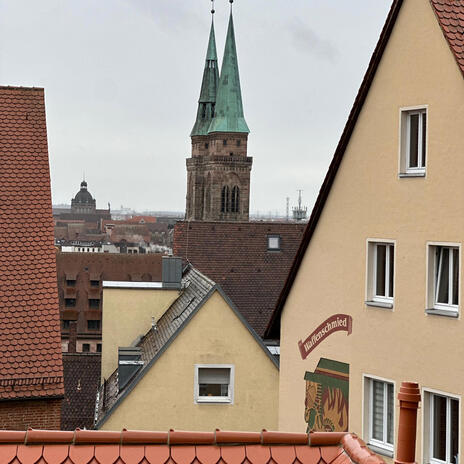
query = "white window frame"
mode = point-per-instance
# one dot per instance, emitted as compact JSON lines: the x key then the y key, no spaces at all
{"x":197,"y":399}
{"x":433,"y":279}
{"x":382,"y":447}
{"x":427,"y":425}
{"x":279,"y":240}
{"x":405,"y":136}
{"x":372,"y":299}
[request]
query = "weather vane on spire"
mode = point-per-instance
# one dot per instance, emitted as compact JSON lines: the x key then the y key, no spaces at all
{"x":212,"y":7}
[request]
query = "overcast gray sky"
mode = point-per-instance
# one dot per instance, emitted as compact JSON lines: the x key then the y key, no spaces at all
{"x":122,"y":80}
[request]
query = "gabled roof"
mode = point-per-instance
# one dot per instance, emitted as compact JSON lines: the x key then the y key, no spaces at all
{"x":178,"y":447}
{"x":235,"y":255}
{"x":196,"y":290}
{"x":450,"y":14}
{"x":30,"y":361}
{"x":228,"y":115}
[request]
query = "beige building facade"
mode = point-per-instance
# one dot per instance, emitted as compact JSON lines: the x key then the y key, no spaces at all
{"x":198,"y":367}
{"x":375,"y":293}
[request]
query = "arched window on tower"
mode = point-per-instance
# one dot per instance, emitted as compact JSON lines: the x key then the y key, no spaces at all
{"x":225,"y":199}
{"x":235,"y":203}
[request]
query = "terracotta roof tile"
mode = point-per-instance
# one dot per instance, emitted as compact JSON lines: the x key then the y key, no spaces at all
{"x":258,"y":454}
{"x":283,"y":454}
{"x":107,"y":453}
{"x":8,"y":453}
{"x":133,"y":454}
{"x":235,"y":255}
{"x":183,"y":454}
{"x":81,"y":454}
{"x":55,"y":454}
{"x":30,"y":365}
{"x":158,"y":454}
{"x":329,"y":453}
{"x":233,"y":454}
{"x":208,"y":454}
{"x":450,"y":14}
{"x":109,"y":448}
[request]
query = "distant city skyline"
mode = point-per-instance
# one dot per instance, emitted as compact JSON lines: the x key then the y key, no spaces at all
{"x":122,"y":80}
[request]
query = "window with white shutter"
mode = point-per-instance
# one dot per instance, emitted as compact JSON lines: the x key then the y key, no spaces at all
{"x":380,"y":415}
{"x":214,"y":383}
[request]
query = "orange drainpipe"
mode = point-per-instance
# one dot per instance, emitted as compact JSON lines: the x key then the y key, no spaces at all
{"x":409,"y":397}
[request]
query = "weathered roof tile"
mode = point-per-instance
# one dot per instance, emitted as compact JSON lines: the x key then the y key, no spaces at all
{"x":31,"y":344}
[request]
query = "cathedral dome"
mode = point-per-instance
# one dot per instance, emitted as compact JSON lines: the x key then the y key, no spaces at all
{"x":83,"y":196}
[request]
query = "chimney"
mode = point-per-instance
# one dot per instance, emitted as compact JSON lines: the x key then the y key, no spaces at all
{"x":171,"y":272}
{"x":72,"y":336}
{"x":409,"y":397}
{"x":129,"y":363}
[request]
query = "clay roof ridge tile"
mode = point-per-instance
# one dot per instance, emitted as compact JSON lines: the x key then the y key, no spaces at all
{"x":358,"y":451}
{"x":48,"y":436}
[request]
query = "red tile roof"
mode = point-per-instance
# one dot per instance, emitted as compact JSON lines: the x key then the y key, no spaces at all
{"x":176,"y":447}
{"x":236,"y":257}
{"x":30,"y":364}
{"x":450,"y":14}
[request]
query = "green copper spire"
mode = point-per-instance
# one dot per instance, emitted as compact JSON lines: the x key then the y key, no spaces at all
{"x":209,"y":86}
{"x":228,"y":116}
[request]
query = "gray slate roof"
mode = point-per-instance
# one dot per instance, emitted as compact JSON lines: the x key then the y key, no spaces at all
{"x":196,"y":289}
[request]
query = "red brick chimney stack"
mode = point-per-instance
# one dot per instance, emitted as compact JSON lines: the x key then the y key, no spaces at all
{"x":409,"y":397}
{"x":72,"y":336}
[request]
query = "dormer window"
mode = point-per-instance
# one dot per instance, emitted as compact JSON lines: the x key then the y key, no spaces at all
{"x":273,"y":242}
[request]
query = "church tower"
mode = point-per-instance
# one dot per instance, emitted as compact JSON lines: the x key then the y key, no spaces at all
{"x":218,"y":172}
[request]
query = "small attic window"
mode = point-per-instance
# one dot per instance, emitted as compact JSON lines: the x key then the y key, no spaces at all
{"x":273,"y":242}
{"x":214,"y":383}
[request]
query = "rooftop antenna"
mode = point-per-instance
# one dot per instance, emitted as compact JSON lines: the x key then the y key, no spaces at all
{"x":300,"y":212}
{"x":288,"y":208}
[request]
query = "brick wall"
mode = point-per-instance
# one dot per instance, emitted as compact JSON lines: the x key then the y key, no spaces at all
{"x":39,"y":414}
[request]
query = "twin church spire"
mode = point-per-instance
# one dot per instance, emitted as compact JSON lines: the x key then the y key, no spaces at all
{"x":220,"y":107}
{"x":218,"y":172}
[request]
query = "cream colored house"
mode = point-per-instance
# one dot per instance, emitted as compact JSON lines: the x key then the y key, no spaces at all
{"x":375,"y":293}
{"x":197,"y":366}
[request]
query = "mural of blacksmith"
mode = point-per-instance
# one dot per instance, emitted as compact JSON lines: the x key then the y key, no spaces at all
{"x":326,"y":403}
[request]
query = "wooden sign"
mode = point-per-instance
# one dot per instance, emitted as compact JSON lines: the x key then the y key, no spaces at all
{"x":333,"y":324}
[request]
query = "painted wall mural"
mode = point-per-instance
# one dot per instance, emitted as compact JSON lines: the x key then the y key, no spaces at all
{"x":327,"y":396}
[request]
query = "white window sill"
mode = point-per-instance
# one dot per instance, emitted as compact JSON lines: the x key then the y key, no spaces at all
{"x":443,"y":312}
{"x":384,"y":451}
{"x":379,"y":304}
{"x":213,"y":400}
{"x":411,"y":174}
